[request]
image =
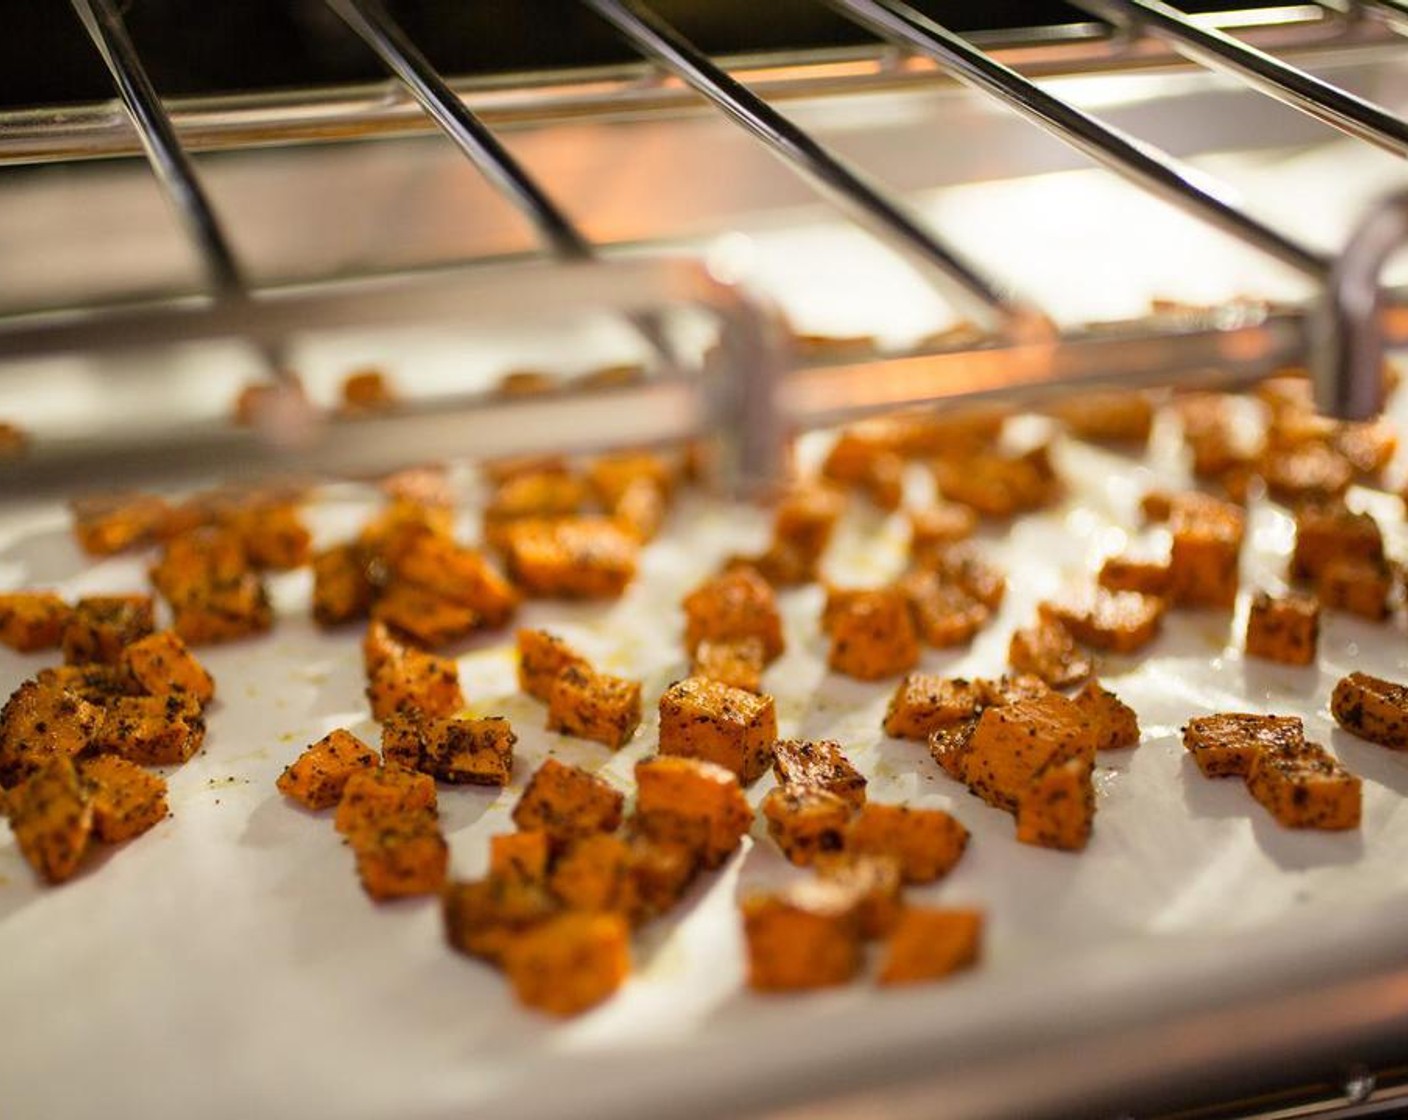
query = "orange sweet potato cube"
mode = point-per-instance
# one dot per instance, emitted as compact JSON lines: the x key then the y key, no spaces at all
{"x":566,"y":802}
{"x":52,"y":818}
{"x":152,"y":730}
{"x":41,"y":722}
{"x":804,"y":821}
{"x":738,"y":663}
{"x":926,"y":842}
{"x":522,"y":855}
{"x":1285,"y":629}
{"x":483,"y":917}
{"x":710,"y":721}
{"x":225,"y":614}
{"x":367,"y":390}
{"x":126,"y":800}
{"x":33,"y":620}
{"x":949,"y":745}
{"x":450,"y":571}
{"x":1309,"y":470}
{"x":928,"y":943}
{"x":1224,"y":745}
{"x":1328,"y":531}
{"x":924,"y":702}
{"x":1106,"y":416}
{"x":545,"y":489}
{"x":873,"y":636}
{"x":101,"y":625}
{"x":996,"y":483}
{"x":1048,"y":651}
{"x":377,"y":793}
{"x":411,"y":680}
{"x":1113,"y":722}
{"x":161,"y":663}
{"x":273,"y":533}
{"x":1360,"y":587}
{"x":1304,"y":786}
{"x":1206,"y":551}
{"x":934,"y":528}
{"x":965,"y":567}
{"x":1373,"y":709}
{"x":596,"y":706}
{"x":105,"y":524}
{"x":593,"y":872}
{"x":818,"y":764}
{"x":874,"y":882}
{"x":342,"y":587}
{"x":660,"y":874}
{"x":1120,"y":621}
{"x":541,"y":657}
{"x":573,"y":558}
{"x":802,"y":527}
{"x":611,"y":477}
{"x":457,"y":751}
{"x":426,"y":617}
{"x":738,"y":603}
{"x":805,"y":937}
{"x":1012,"y":742}
{"x":695,"y":804}
{"x":944,"y":614}
{"x":1057,"y":807}
{"x":570,"y":963}
{"x":1123,"y":573}
{"x":317,"y":778}
{"x":401,"y":856}
{"x":98,"y":684}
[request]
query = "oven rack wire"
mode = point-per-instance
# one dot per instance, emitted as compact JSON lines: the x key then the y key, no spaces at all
{"x":755,"y":390}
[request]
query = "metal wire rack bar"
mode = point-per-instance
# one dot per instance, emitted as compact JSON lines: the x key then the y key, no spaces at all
{"x":1394,"y":13}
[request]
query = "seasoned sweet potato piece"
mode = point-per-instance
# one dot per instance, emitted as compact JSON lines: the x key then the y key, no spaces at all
{"x":874,"y":882}
{"x":804,"y":821}
{"x":1328,"y":531}
{"x":660,"y":874}
{"x":526,"y":383}
{"x":696,"y":804}
{"x":108,"y":523}
{"x":1148,"y":577}
{"x":936,"y":527}
{"x":803,"y":525}
{"x":736,"y":604}
{"x":996,"y":483}
{"x":707,"y":720}
{"x":52,"y":818}
{"x":317,"y":778}
{"x":925,"y":701}
{"x":612,"y":476}
{"x":273,"y":533}
{"x":872,"y":468}
{"x":926,"y":842}
{"x":593,"y":873}
{"x":454,"y":573}
{"x":1285,"y":629}
{"x":126,"y":800}
{"x":367,"y":390}
{"x":807,"y":936}
{"x":33,"y":620}
{"x":342,"y":586}
{"x":101,"y":625}
{"x":1008,"y":689}
{"x":1304,"y":786}
{"x":1110,"y":416}
{"x":483,"y":917}
{"x":403,"y":679}
{"x":738,"y":663}
{"x":522,"y":855}
{"x":98,"y":684}
{"x":1048,"y":651}
{"x":41,"y":722}
{"x":963,"y":566}
{"x":546,"y":490}
{"x":929,"y":944}
{"x":574,"y":558}
{"x":569,"y":963}
{"x":1207,"y":546}
{"x":944,"y":614}
{"x":873,"y":636}
{"x":215,"y":594}
{"x":458,"y":751}
{"x":1360,"y":587}
{"x":566,"y":802}
{"x":1113,"y":722}
{"x":594,"y":706}
{"x":378,"y":793}
{"x":640,"y":511}
{"x":541,"y":657}
{"x":161,"y":663}
{"x":948,"y":746}
{"x":1310,"y":470}
{"x":1224,"y":745}
{"x":1012,"y":742}
{"x":427,"y":618}
{"x":1121,"y":621}
{"x":1373,"y":709}
{"x":1057,"y":807}
{"x":401,"y":856}
{"x":151,"y":730}
{"x":818,"y":764}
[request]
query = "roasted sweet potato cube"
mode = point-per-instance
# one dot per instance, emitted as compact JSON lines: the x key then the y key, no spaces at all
{"x":1360,"y":587}
{"x":1113,"y":722}
{"x":1304,"y":786}
{"x":925,"y":701}
{"x":1120,"y":621}
{"x":412,"y":680}
{"x":612,"y":476}
{"x":33,"y":620}
{"x":526,"y":383}
{"x":660,"y":874}
{"x":1328,"y":531}
{"x":1285,"y":629}
{"x":996,"y":483}
{"x":98,"y":684}
{"x":1373,"y":709}
{"x":936,"y":527}
{"x":101,"y":625}
{"x":192,"y":562}
{"x":710,"y":721}
{"x":1309,"y":470}
{"x":483,"y":917}
{"x":52,"y":818}
{"x":802,"y":528}
{"x":1224,"y":745}
{"x":458,"y":751}
{"x":401,"y":856}
{"x":738,"y":663}
{"x":1008,"y":689}
{"x":367,"y":390}
{"x":948,"y":746}
{"x":522,"y":855}
{"x":1123,"y":573}
{"x":874,"y":882}
{"x":1110,"y":416}
{"x":161,"y":663}
{"x":126,"y":799}
{"x":594,"y":706}
{"x":928,"y":943}
{"x":574,"y":558}
{"x":593,"y":872}
{"x":695,"y":804}
{"x":342,"y":586}
{"x":378,"y":793}
{"x":926,"y":842}
{"x":452,"y":572}
{"x":873,"y":636}
{"x":808,"y":936}
{"x":738,"y":603}
{"x":547,"y":490}
{"x":818,"y":764}
{"x":1048,"y":651}
{"x":869,"y":464}
{"x":805,"y":821}
{"x":273,"y":533}
{"x":108,"y":523}
{"x":1369,"y":446}
{"x":566,"y":802}
{"x":152,"y":730}
{"x":41,"y":722}
{"x":964,"y":566}
{"x":1012,"y":742}
{"x":640,"y":511}
{"x":1057,"y":807}
{"x":424,"y":616}
{"x":227,"y":614}
{"x":944,"y":614}
{"x":569,"y":963}
{"x":317,"y":777}
{"x":1203,"y":561}
{"x":541,"y":657}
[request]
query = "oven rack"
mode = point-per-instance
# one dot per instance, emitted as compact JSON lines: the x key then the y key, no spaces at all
{"x":756,"y":391}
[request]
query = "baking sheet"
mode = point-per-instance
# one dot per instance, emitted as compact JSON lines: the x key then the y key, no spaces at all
{"x":228,"y":964}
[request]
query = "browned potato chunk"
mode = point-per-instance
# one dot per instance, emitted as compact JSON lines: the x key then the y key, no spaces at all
{"x":126,"y":800}
{"x":660,"y":874}
{"x":695,"y":804}
{"x":1108,"y":416}
{"x":1207,"y":546}
{"x":1304,"y":786}
{"x":317,"y":778}
{"x":402,"y":679}
{"x":964,"y":567}
{"x":928,"y":944}
{"x":1310,"y":470}
{"x":1224,"y":745}
{"x":161,"y":663}
{"x":1114,"y":723}
{"x":521,"y":855}
{"x":926,"y":842}
{"x":948,"y":746}
{"x":593,"y":872}
{"x":739,"y":603}
{"x":934,"y":528}
{"x":565,"y":802}
{"x":873,"y":636}
{"x":870,"y":466}
{"x":875,"y":883}
{"x":594,"y":706}
{"x":1360,"y":587}
{"x":41,"y":722}
{"x":1120,"y":621}
{"x":818,"y":764}
{"x":1148,"y":577}
{"x":541,"y":657}
{"x":1057,"y":807}
{"x":458,"y":751}
{"x":342,"y":587}
{"x":484,"y":917}
{"x":546,"y":490}
{"x":401,"y":856}
{"x":426,"y":617}
{"x":1328,"y":531}
{"x":924,"y":702}
{"x":1373,"y":709}
{"x":273,"y":534}
{"x":803,"y":525}
{"x":1012,"y":742}
{"x":944,"y":614}
{"x":98,"y":684}
{"x":805,"y":937}
{"x":215,"y":594}
{"x":450,"y":571}
{"x":996,"y":483}
{"x":152,"y":730}
{"x":613,"y":476}
{"x":805,"y":821}
{"x":101,"y":625}
{"x":52,"y":819}
{"x":1048,"y":651}
{"x":707,"y":720}
{"x":367,"y":390}
{"x":738,"y":663}
{"x":1285,"y":630}
{"x":33,"y":620}
{"x":574,"y":558}
{"x":108,"y":523}
{"x":375,"y":794}
{"x":569,"y":963}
